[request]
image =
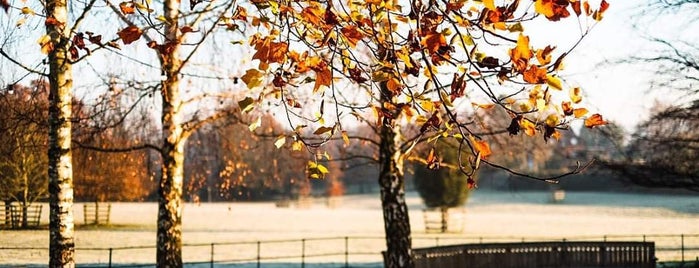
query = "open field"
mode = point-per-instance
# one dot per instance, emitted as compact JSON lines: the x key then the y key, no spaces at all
{"x":490,"y":216}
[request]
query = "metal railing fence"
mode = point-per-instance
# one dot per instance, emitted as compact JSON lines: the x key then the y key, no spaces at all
{"x":340,"y":251}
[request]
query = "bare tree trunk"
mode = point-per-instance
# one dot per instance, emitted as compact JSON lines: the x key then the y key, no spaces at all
{"x":169,"y":235}
{"x":60,"y":170}
{"x":391,"y":181}
{"x":25,"y":198}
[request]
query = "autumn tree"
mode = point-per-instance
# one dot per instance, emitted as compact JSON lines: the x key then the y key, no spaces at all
{"x":419,"y":63}
{"x":440,"y":184}
{"x":176,"y":32}
{"x":23,"y":144}
{"x":60,"y":45}
{"x":111,"y":176}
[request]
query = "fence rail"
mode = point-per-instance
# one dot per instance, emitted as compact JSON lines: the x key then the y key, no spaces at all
{"x":342,"y":251}
{"x":539,"y":254}
{"x":17,"y":216}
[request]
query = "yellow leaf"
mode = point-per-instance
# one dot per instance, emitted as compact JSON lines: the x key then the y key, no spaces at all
{"x":528,"y":127}
{"x":297,"y":146}
{"x":552,"y":120}
{"x":345,"y":138}
{"x":255,"y":124}
{"x":27,"y":11}
{"x":316,"y":171}
{"x":46,"y":44}
{"x":489,"y":4}
{"x":445,"y":98}
{"x":280,"y":141}
{"x":427,"y":105}
{"x":252,"y":78}
{"x":575,"y":95}
{"x":483,"y":106}
{"x":246,"y":104}
{"x":554,"y":82}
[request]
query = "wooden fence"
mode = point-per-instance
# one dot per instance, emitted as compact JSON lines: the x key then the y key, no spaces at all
{"x":97,"y":213}
{"x":539,"y":254}
{"x":13,"y":218}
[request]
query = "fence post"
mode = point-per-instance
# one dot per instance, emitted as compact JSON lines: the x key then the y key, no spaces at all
{"x":436,"y":241}
{"x":346,"y":252}
{"x":110,"y":257}
{"x":303,"y":253}
{"x":212,"y":255}
{"x":682,"y":240}
{"x":258,"y":254}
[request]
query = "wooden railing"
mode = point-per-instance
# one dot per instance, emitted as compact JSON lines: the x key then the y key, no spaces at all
{"x":97,"y":213}
{"x":539,"y":254}
{"x":15,"y":216}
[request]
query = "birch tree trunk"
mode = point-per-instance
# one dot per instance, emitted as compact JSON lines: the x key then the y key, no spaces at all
{"x":169,"y":234}
{"x":60,"y":170}
{"x":391,"y":181}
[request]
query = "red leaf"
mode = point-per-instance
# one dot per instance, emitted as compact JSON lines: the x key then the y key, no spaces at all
{"x":603,"y":6}
{"x":187,"y":29}
{"x":73,"y":52}
{"x":95,"y":39}
{"x":576,"y":7}
{"x":471,"y":183}
{"x":51,"y":21}
{"x":356,"y":75}
{"x":5,"y":5}
{"x":78,"y":41}
{"x":129,"y":34}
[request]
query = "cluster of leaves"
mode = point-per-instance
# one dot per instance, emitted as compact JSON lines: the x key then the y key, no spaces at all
{"x":428,"y":57}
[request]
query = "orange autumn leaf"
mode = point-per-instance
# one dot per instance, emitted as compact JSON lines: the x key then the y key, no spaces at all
{"x":534,"y":75}
{"x":544,"y":55}
{"x":434,"y":41}
{"x":481,"y":147}
{"x":323,"y":76}
{"x":553,"y":10}
{"x":483,"y":106}
{"x":579,"y":112}
{"x":312,"y":15}
{"x":268,"y":51}
{"x":352,"y":35}
{"x":594,"y":120}
{"x":527,"y":126}
{"x":129,"y":34}
{"x":127,"y":8}
{"x":394,"y":85}
{"x":567,"y":108}
{"x":521,"y":54}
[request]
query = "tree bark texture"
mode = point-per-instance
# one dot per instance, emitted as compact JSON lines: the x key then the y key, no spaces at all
{"x":391,"y":181}
{"x":169,"y":233}
{"x":60,"y":170}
